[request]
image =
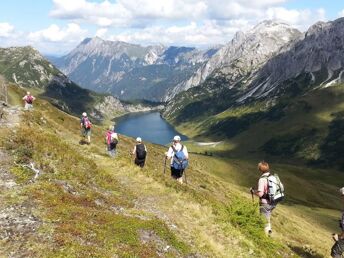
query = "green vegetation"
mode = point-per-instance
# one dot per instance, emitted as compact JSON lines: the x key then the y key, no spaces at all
{"x":91,"y":205}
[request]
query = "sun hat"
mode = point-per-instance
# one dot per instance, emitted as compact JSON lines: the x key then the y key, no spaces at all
{"x":138,"y":139}
{"x":84,"y":114}
{"x":341,"y":190}
{"x":176,"y":138}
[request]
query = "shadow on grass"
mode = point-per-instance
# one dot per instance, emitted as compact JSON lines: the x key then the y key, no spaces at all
{"x":305,"y":252}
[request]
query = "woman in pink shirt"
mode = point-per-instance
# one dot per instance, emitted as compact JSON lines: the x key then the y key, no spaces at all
{"x":265,"y":207}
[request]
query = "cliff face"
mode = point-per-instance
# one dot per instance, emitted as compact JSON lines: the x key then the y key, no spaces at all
{"x":244,"y":55}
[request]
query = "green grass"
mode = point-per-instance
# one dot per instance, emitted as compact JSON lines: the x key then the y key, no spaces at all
{"x":91,"y":205}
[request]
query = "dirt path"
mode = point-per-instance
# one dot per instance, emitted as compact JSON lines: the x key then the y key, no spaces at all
{"x":17,"y":222}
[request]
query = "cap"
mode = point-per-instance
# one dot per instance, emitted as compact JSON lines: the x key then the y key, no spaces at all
{"x":176,"y":138}
{"x":341,"y":190}
{"x":138,"y":139}
{"x":84,"y":114}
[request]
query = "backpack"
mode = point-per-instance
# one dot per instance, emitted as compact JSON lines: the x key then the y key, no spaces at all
{"x":110,"y":139}
{"x":141,"y":151}
{"x":87,"y":123}
{"x":179,"y":160}
{"x":29,"y":99}
{"x":275,"y":192}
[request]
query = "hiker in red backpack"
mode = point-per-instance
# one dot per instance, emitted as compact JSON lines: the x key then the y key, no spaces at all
{"x":140,"y":152}
{"x":28,"y":100}
{"x":265,"y":206}
{"x":86,"y":125}
{"x":111,"y":139}
{"x":179,"y":156}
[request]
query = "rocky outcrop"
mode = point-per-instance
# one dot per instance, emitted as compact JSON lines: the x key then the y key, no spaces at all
{"x":244,"y":54}
{"x":317,"y":59}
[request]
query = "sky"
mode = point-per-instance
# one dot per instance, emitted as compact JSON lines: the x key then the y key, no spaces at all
{"x":55,"y":27}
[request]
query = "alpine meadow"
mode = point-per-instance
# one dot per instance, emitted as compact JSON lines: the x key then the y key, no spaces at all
{"x":254,"y":93}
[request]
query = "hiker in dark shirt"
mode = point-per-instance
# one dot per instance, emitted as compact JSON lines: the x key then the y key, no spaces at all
{"x":140,"y":152}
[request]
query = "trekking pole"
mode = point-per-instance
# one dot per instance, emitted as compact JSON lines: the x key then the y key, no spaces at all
{"x":165,"y":164}
{"x":252,"y":192}
{"x":186,"y":181}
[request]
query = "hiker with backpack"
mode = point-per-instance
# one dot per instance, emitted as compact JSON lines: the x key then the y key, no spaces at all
{"x":111,"y":139}
{"x":270,"y":191}
{"x":337,"y":249}
{"x":179,"y":156}
{"x":86,"y":126}
{"x":140,"y":152}
{"x":28,"y":100}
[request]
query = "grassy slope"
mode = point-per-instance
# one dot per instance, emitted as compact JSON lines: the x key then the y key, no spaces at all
{"x":91,"y":205}
{"x":297,"y":131}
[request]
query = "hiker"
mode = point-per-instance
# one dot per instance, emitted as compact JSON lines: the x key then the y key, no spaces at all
{"x":337,"y":249}
{"x":28,"y":100}
{"x":111,"y":139}
{"x":179,"y":156}
{"x":140,"y":152}
{"x":265,"y":205}
{"x":85,"y":125}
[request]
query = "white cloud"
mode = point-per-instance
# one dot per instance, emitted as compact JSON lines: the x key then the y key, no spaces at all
{"x":6,"y":29}
{"x":341,"y":13}
{"x":148,"y":13}
{"x":101,"y":14}
{"x":301,"y":19}
{"x":54,"y":33}
{"x":101,"y":32}
{"x":210,"y":32}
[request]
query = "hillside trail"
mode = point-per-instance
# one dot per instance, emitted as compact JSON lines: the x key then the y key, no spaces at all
{"x":193,"y":222}
{"x":17,"y":222}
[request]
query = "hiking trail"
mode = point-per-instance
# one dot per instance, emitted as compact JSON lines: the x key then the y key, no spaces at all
{"x":17,"y":222}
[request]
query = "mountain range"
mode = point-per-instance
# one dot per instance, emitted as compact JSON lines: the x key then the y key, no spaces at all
{"x":131,"y":71}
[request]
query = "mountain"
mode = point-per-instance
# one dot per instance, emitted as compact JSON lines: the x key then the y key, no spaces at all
{"x":231,"y":69}
{"x":26,"y":67}
{"x":243,"y":55}
{"x":287,"y":108}
{"x":130,"y":71}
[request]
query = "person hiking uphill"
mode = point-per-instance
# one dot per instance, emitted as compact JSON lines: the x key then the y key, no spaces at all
{"x":179,"y":156}
{"x":28,"y":100}
{"x":140,"y":152}
{"x":85,"y":125}
{"x":111,"y":139}
{"x":337,"y":249}
{"x":270,"y":192}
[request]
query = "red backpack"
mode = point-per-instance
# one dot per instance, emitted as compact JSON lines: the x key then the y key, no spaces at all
{"x":108,"y":136}
{"x":29,"y":99}
{"x":87,"y":123}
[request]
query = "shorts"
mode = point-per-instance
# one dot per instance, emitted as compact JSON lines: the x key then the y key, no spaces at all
{"x":28,"y":106}
{"x":86,"y":131}
{"x":176,"y":173}
{"x":111,"y":146}
{"x":337,"y":249}
{"x":266,"y":209}
{"x":140,"y":162}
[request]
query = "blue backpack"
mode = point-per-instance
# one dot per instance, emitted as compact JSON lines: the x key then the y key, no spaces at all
{"x":179,"y":160}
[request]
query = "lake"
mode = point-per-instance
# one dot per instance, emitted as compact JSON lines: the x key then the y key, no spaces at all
{"x":150,"y":126}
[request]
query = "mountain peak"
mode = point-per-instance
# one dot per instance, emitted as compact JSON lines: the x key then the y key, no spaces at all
{"x":271,"y":26}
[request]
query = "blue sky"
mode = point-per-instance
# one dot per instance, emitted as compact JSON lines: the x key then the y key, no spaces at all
{"x":57,"y":26}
